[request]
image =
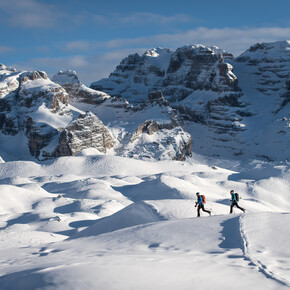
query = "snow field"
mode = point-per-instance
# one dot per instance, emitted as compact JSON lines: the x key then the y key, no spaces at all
{"x":106,"y":222}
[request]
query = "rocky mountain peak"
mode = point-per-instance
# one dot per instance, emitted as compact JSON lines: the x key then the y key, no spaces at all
{"x":3,"y":67}
{"x":77,"y":91}
{"x":32,"y":76}
{"x":68,"y":77}
{"x":267,"y":52}
{"x":156,"y":52}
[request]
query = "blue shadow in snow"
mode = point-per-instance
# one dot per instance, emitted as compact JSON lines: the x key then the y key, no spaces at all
{"x":149,"y":189}
{"x":25,"y":218}
{"x":27,"y":279}
{"x":68,"y":208}
{"x":231,"y":234}
{"x":256,"y":174}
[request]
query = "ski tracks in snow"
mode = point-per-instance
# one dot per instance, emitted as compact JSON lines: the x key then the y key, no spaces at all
{"x":249,"y":255}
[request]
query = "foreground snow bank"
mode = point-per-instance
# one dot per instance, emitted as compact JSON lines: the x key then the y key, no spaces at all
{"x":106,"y":222}
{"x":177,"y":254}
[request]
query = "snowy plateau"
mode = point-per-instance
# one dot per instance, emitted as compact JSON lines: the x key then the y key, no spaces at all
{"x":98,"y":185}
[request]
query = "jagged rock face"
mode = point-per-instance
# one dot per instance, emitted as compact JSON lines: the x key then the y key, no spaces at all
{"x":198,"y":68}
{"x":167,"y":141}
{"x":264,"y":72}
{"x":270,"y":63}
{"x":195,"y":79}
{"x":162,"y":138}
{"x":8,"y":85}
{"x":22,"y":93}
{"x":76,"y":90}
{"x":84,"y":132}
{"x":177,"y":74}
{"x":157,"y":98}
{"x":35,"y":86}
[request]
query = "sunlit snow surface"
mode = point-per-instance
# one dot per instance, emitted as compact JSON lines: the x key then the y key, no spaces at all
{"x":107,"y":222}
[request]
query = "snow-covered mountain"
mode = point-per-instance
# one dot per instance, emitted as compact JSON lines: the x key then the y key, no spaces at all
{"x":206,"y":101}
{"x":48,"y":119}
{"x":35,"y":111}
{"x":238,"y":106}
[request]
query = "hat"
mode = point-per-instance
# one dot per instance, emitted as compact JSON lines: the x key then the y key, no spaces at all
{"x":232,"y":191}
{"x":197,"y":193}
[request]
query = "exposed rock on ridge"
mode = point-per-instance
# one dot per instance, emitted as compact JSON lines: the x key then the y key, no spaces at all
{"x":78,"y":91}
{"x":271,"y":62}
{"x":31,"y":103}
{"x":84,"y":132}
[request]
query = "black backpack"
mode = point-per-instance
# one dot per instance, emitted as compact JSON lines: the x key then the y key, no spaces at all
{"x":237,"y":196}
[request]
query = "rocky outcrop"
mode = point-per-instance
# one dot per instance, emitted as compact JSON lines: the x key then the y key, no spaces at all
{"x":35,"y":86}
{"x":31,"y":103}
{"x":87,"y":131}
{"x":270,"y":63}
{"x":163,"y":138}
{"x":193,"y":68}
{"x":77,"y":91}
{"x":22,"y":94}
{"x":157,"y":98}
{"x":166,"y":142}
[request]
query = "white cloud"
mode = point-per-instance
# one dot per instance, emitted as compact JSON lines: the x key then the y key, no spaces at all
{"x":233,"y":39}
{"x":152,"y":18}
{"x":140,"y":18}
{"x":29,"y":13}
{"x":79,"y":45}
{"x":5,"y":49}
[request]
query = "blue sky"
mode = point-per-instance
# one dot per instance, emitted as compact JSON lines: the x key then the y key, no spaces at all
{"x":92,"y":37}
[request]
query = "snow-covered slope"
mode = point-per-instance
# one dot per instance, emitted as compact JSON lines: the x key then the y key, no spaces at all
{"x":131,"y":224}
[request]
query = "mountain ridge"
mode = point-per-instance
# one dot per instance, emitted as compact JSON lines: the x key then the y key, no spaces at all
{"x":223,"y":106}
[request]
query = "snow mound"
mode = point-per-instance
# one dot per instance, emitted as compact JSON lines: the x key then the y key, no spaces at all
{"x":135,"y":214}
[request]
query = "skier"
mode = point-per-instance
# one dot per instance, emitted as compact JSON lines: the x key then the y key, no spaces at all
{"x":234,"y":201}
{"x":200,"y":204}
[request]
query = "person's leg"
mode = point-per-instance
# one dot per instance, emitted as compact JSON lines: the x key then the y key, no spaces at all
{"x":198,"y":211}
{"x":208,"y":211}
{"x":240,"y":207}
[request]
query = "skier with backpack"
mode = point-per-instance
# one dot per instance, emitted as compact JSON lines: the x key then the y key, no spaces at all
{"x":234,"y":201}
{"x":200,"y":204}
